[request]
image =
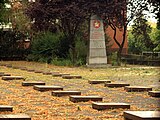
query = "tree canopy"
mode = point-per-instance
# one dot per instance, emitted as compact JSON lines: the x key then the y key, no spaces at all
{"x":68,"y":16}
{"x":3,"y":11}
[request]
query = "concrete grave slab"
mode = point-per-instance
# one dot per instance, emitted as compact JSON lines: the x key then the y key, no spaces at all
{"x":65,"y":93}
{"x":154,"y":93}
{"x":116,"y":84}
{"x":15,"y":117}
{"x":23,"y":68}
{"x":103,"y":106}
{"x":79,"y":98}
{"x":32,"y":83}
{"x":141,"y":115}
{"x":43,"y":88}
{"x":12,"y":78}
{"x":30,"y":70}
{"x":38,"y":71}
{"x":47,"y":73}
{"x":137,"y":88}
{"x":5,"y":74}
{"x":4,"y":108}
{"x":71,"y":77}
{"x":98,"y":81}
{"x":57,"y":74}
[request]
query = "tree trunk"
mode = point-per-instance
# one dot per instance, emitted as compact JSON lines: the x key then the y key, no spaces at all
{"x":74,"y":55}
{"x":73,"y":49}
{"x":119,"y":56}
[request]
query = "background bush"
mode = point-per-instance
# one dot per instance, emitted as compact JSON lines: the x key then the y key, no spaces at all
{"x":9,"y":45}
{"x":54,"y":48}
{"x":81,"y":51}
{"x":44,"y":47}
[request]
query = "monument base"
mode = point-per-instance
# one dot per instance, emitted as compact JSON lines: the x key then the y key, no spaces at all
{"x":99,"y":65}
{"x":97,"y":62}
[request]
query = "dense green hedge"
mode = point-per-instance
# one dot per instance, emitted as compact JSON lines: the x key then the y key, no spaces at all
{"x":55,"y":48}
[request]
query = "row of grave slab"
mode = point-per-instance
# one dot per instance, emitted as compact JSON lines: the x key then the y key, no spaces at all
{"x":107,"y":83}
{"x":75,"y":96}
{"x":54,"y":74}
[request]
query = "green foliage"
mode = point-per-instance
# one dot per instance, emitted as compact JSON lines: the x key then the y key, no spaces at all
{"x":113,"y":58}
{"x":155,"y":36}
{"x":80,"y":51}
{"x":45,"y":46}
{"x":139,"y":37}
{"x":135,"y":45}
{"x":9,"y":46}
{"x":61,"y":62}
{"x":54,"y":48}
{"x":3,"y":11}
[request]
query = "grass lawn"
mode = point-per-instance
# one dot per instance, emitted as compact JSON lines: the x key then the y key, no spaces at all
{"x":44,"y":106}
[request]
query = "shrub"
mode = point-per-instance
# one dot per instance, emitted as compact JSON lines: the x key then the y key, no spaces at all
{"x":55,"y":49}
{"x":9,"y":46}
{"x":45,"y":46}
{"x":80,"y":51}
{"x":61,"y":62}
{"x":113,"y":57}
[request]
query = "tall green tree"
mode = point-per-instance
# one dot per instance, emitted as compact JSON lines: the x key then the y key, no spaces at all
{"x":125,"y":14}
{"x":155,"y":36}
{"x":3,"y":11}
{"x":156,"y":9}
{"x":140,"y":39}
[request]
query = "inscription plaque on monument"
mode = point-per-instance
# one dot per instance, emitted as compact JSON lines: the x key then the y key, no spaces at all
{"x":97,"y":48}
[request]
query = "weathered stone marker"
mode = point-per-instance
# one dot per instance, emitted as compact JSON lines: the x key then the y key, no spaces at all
{"x":13,"y":78}
{"x":47,"y":73}
{"x":6,"y":108}
{"x":116,"y":84}
{"x":15,"y":117}
{"x":141,"y":115}
{"x":65,"y":93}
{"x":137,"y":88}
{"x":43,"y":88}
{"x":5,"y":74}
{"x":154,"y":93}
{"x":98,"y":81}
{"x":31,"y":83}
{"x":97,"y":49}
{"x":71,"y":77}
{"x":56,"y":74}
{"x":30,"y":70}
{"x":23,"y":68}
{"x":103,"y":106}
{"x":38,"y":71}
{"x":79,"y":98}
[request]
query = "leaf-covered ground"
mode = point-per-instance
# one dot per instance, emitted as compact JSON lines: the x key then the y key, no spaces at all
{"x":44,"y":106}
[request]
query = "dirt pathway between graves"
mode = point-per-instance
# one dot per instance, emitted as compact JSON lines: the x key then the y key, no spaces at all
{"x":43,"y":106}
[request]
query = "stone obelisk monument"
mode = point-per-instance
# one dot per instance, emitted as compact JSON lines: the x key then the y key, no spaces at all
{"x":97,"y":49}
